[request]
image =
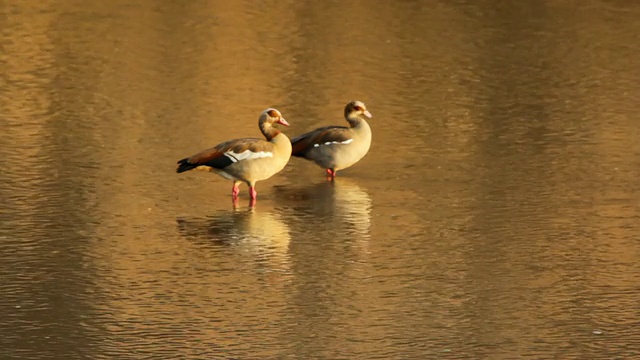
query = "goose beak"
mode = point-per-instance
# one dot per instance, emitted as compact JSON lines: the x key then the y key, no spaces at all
{"x":282,"y":121}
{"x":367,"y":114}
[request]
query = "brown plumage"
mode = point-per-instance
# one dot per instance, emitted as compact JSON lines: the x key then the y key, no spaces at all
{"x":337,"y":147}
{"x":246,"y":160}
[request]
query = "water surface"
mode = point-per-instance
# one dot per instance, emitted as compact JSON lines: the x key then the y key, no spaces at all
{"x":496,"y":215}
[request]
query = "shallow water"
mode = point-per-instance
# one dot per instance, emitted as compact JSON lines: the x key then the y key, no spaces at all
{"x":496,"y":215}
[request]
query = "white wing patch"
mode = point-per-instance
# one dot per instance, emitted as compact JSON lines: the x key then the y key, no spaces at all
{"x":247,"y":155}
{"x":335,"y":142}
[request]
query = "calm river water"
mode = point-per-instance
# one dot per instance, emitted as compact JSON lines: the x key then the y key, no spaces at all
{"x":496,"y":216}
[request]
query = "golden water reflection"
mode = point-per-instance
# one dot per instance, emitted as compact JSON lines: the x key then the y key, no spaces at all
{"x":495,"y":216}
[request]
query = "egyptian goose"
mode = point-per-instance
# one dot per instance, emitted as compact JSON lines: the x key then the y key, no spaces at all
{"x":337,"y":147}
{"x":246,"y":160}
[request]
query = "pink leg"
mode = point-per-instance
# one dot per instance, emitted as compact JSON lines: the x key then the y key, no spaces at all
{"x":331,"y":174}
{"x":235,"y":190}
{"x":253,"y":193}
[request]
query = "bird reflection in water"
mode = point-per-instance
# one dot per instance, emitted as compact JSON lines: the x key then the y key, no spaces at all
{"x":338,"y":207}
{"x":252,"y":231}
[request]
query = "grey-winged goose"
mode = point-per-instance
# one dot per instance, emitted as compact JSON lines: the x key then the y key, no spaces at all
{"x":337,"y":147}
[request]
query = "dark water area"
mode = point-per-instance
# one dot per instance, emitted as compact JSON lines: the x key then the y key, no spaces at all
{"x":496,"y":215}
